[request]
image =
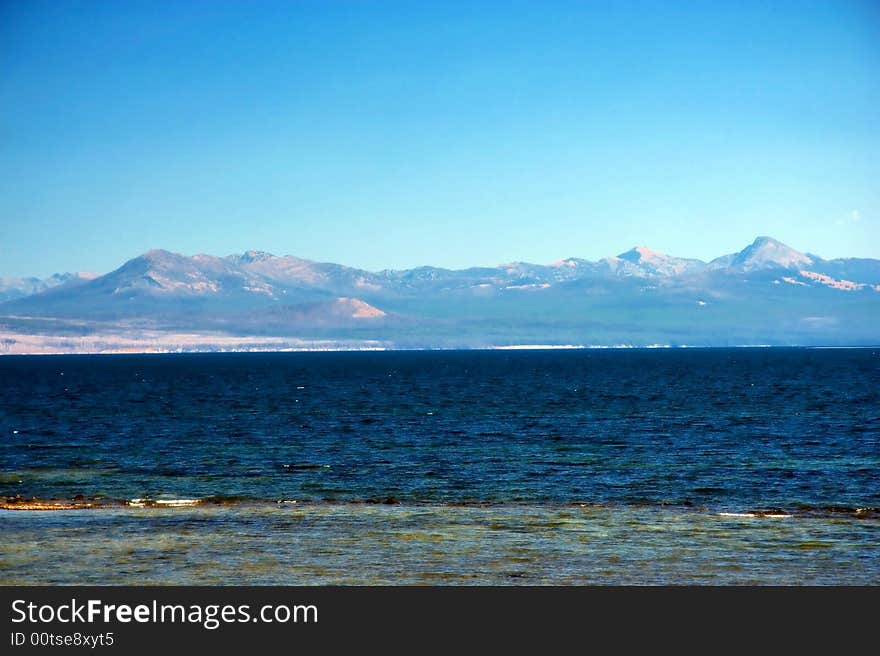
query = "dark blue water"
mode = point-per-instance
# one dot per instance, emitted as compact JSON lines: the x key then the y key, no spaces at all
{"x":795,"y":429}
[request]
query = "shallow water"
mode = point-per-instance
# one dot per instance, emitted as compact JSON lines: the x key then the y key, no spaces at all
{"x":538,"y":467}
{"x":377,"y":544}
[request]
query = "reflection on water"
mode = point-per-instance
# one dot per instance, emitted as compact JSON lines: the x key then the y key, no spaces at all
{"x":301,"y":544}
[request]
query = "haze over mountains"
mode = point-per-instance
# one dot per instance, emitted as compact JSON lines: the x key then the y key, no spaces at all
{"x":12,"y":288}
{"x":767,"y":293}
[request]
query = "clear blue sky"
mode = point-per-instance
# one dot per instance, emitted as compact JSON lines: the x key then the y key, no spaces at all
{"x":382,"y":134}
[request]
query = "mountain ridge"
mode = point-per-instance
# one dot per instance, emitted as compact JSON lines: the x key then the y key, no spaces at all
{"x":765,"y":293}
{"x":12,"y":288}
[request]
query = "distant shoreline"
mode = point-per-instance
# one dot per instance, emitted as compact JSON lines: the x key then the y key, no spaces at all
{"x":433,"y":349}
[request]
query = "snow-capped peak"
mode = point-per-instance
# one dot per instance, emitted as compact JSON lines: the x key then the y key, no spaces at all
{"x":768,"y":253}
{"x":643,"y":254}
{"x":656,"y":263}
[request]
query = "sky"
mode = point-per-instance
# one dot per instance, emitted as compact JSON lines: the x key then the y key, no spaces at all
{"x":397,"y":134}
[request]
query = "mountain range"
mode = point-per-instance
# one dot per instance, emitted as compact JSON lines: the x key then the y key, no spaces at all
{"x":767,"y":293}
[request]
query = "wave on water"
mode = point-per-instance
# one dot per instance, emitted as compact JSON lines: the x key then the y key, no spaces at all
{"x":776,"y":515}
{"x":81,"y":502}
{"x":163,"y":503}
